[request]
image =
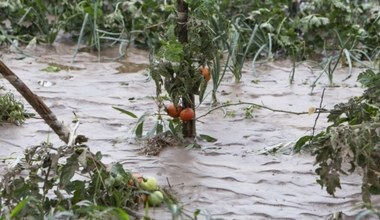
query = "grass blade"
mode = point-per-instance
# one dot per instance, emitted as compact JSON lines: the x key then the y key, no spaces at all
{"x":255,"y":58}
{"x":81,"y":34}
{"x":19,"y":207}
{"x":125,"y":111}
{"x":348,"y":57}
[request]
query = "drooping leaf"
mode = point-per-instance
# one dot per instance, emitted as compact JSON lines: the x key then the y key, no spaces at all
{"x":125,"y":111}
{"x":301,"y":143}
{"x":68,"y":170}
{"x":122,"y":214}
{"x":207,"y":138}
{"x":20,"y":206}
{"x":139,"y":129}
{"x":117,"y":169}
{"x":82,"y":158}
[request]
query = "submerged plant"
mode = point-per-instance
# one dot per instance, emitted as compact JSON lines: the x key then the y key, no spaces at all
{"x":74,"y":183}
{"x":352,"y":140}
{"x":11,"y":110}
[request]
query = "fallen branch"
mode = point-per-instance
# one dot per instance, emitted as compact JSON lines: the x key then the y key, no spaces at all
{"x":36,"y":102}
{"x":318,"y":110}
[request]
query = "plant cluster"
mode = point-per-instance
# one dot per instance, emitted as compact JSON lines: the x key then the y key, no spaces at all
{"x":72,"y":183}
{"x":94,"y":21}
{"x":352,"y":140}
{"x":11,"y":110}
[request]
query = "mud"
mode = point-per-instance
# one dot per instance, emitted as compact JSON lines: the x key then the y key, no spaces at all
{"x":233,"y":178}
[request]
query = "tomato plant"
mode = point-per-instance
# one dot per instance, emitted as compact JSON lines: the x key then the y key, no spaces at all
{"x":351,"y":141}
{"x":185,"y":49}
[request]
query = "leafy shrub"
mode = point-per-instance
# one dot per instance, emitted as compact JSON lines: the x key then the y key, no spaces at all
{"x":352,"y":140}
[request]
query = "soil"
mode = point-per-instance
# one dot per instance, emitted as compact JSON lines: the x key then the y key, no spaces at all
{"x":236,"y":177}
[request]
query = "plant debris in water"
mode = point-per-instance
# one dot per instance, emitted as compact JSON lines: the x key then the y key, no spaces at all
{"x":154,"y":145}
{"x":12,"y":110}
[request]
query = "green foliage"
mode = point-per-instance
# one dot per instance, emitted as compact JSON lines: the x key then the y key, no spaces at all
{"x":176,"y":65}
{"x":46,"y":182}
{"x":351,"y":141}
{"x":12,"y":110}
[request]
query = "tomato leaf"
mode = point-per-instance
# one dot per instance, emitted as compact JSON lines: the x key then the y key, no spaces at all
{"x":68,"y":170}
{"x":301,"y":143}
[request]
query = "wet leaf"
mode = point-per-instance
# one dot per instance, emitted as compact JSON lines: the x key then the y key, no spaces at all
{"x":301,"y":143}
{"x":125,"y":112}
{"x":159,"y":128}
{"x":98,"y":155}
{"x":82,"y":158}
{"x":173,"y":51}
{"x":369,"y":79}
{"x":139,"y":129}
{"x":51,"y":69}
{"x":333,"y":182}
{"x":68,"y":170}
{"x":207,"y":138}
{"x":117,"y":169}
{"x":122,"y":214}
{"x":19,"y":207}
{"x":196,"y":213}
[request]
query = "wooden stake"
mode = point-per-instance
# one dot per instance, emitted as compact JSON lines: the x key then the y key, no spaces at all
{"x":189,"y":129}
{"x":36,"y":102}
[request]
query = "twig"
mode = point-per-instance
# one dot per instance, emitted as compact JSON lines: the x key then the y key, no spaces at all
{"x":167,"y":180}
{"x":319,"y":113}
{"x":319,"y":110}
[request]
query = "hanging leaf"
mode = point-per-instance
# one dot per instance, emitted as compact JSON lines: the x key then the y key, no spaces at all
{"x":301,"y":143}
{"x":139,"y":129}
{"x":68,"y":170}
{"x":82,"y":159}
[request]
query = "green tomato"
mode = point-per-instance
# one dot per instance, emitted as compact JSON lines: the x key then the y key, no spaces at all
{"x":149,"y":184}
{"x":119,"y":180}
{"x":109,"y":182}
{"x":155,"y":198}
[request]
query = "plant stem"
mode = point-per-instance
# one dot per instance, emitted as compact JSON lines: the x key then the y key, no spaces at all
{"x":188,"y":129}
{"x":319,"y":110}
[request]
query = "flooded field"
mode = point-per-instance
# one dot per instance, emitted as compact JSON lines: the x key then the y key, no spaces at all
{"x":233,"y":178}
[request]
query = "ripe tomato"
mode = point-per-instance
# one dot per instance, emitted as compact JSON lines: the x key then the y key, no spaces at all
{"x":187,"y":114}
{"x":205,"y":72}
{"x":173,"y":111}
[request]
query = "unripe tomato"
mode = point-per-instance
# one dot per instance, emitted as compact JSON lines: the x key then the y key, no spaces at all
{"x":155,"y":198}
{"x":187,"y":114}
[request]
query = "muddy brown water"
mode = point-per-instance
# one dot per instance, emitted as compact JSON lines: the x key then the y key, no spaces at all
{"x":230,"y":178}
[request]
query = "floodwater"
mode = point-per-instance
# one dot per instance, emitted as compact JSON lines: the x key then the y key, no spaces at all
{"x":232,"y":178}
